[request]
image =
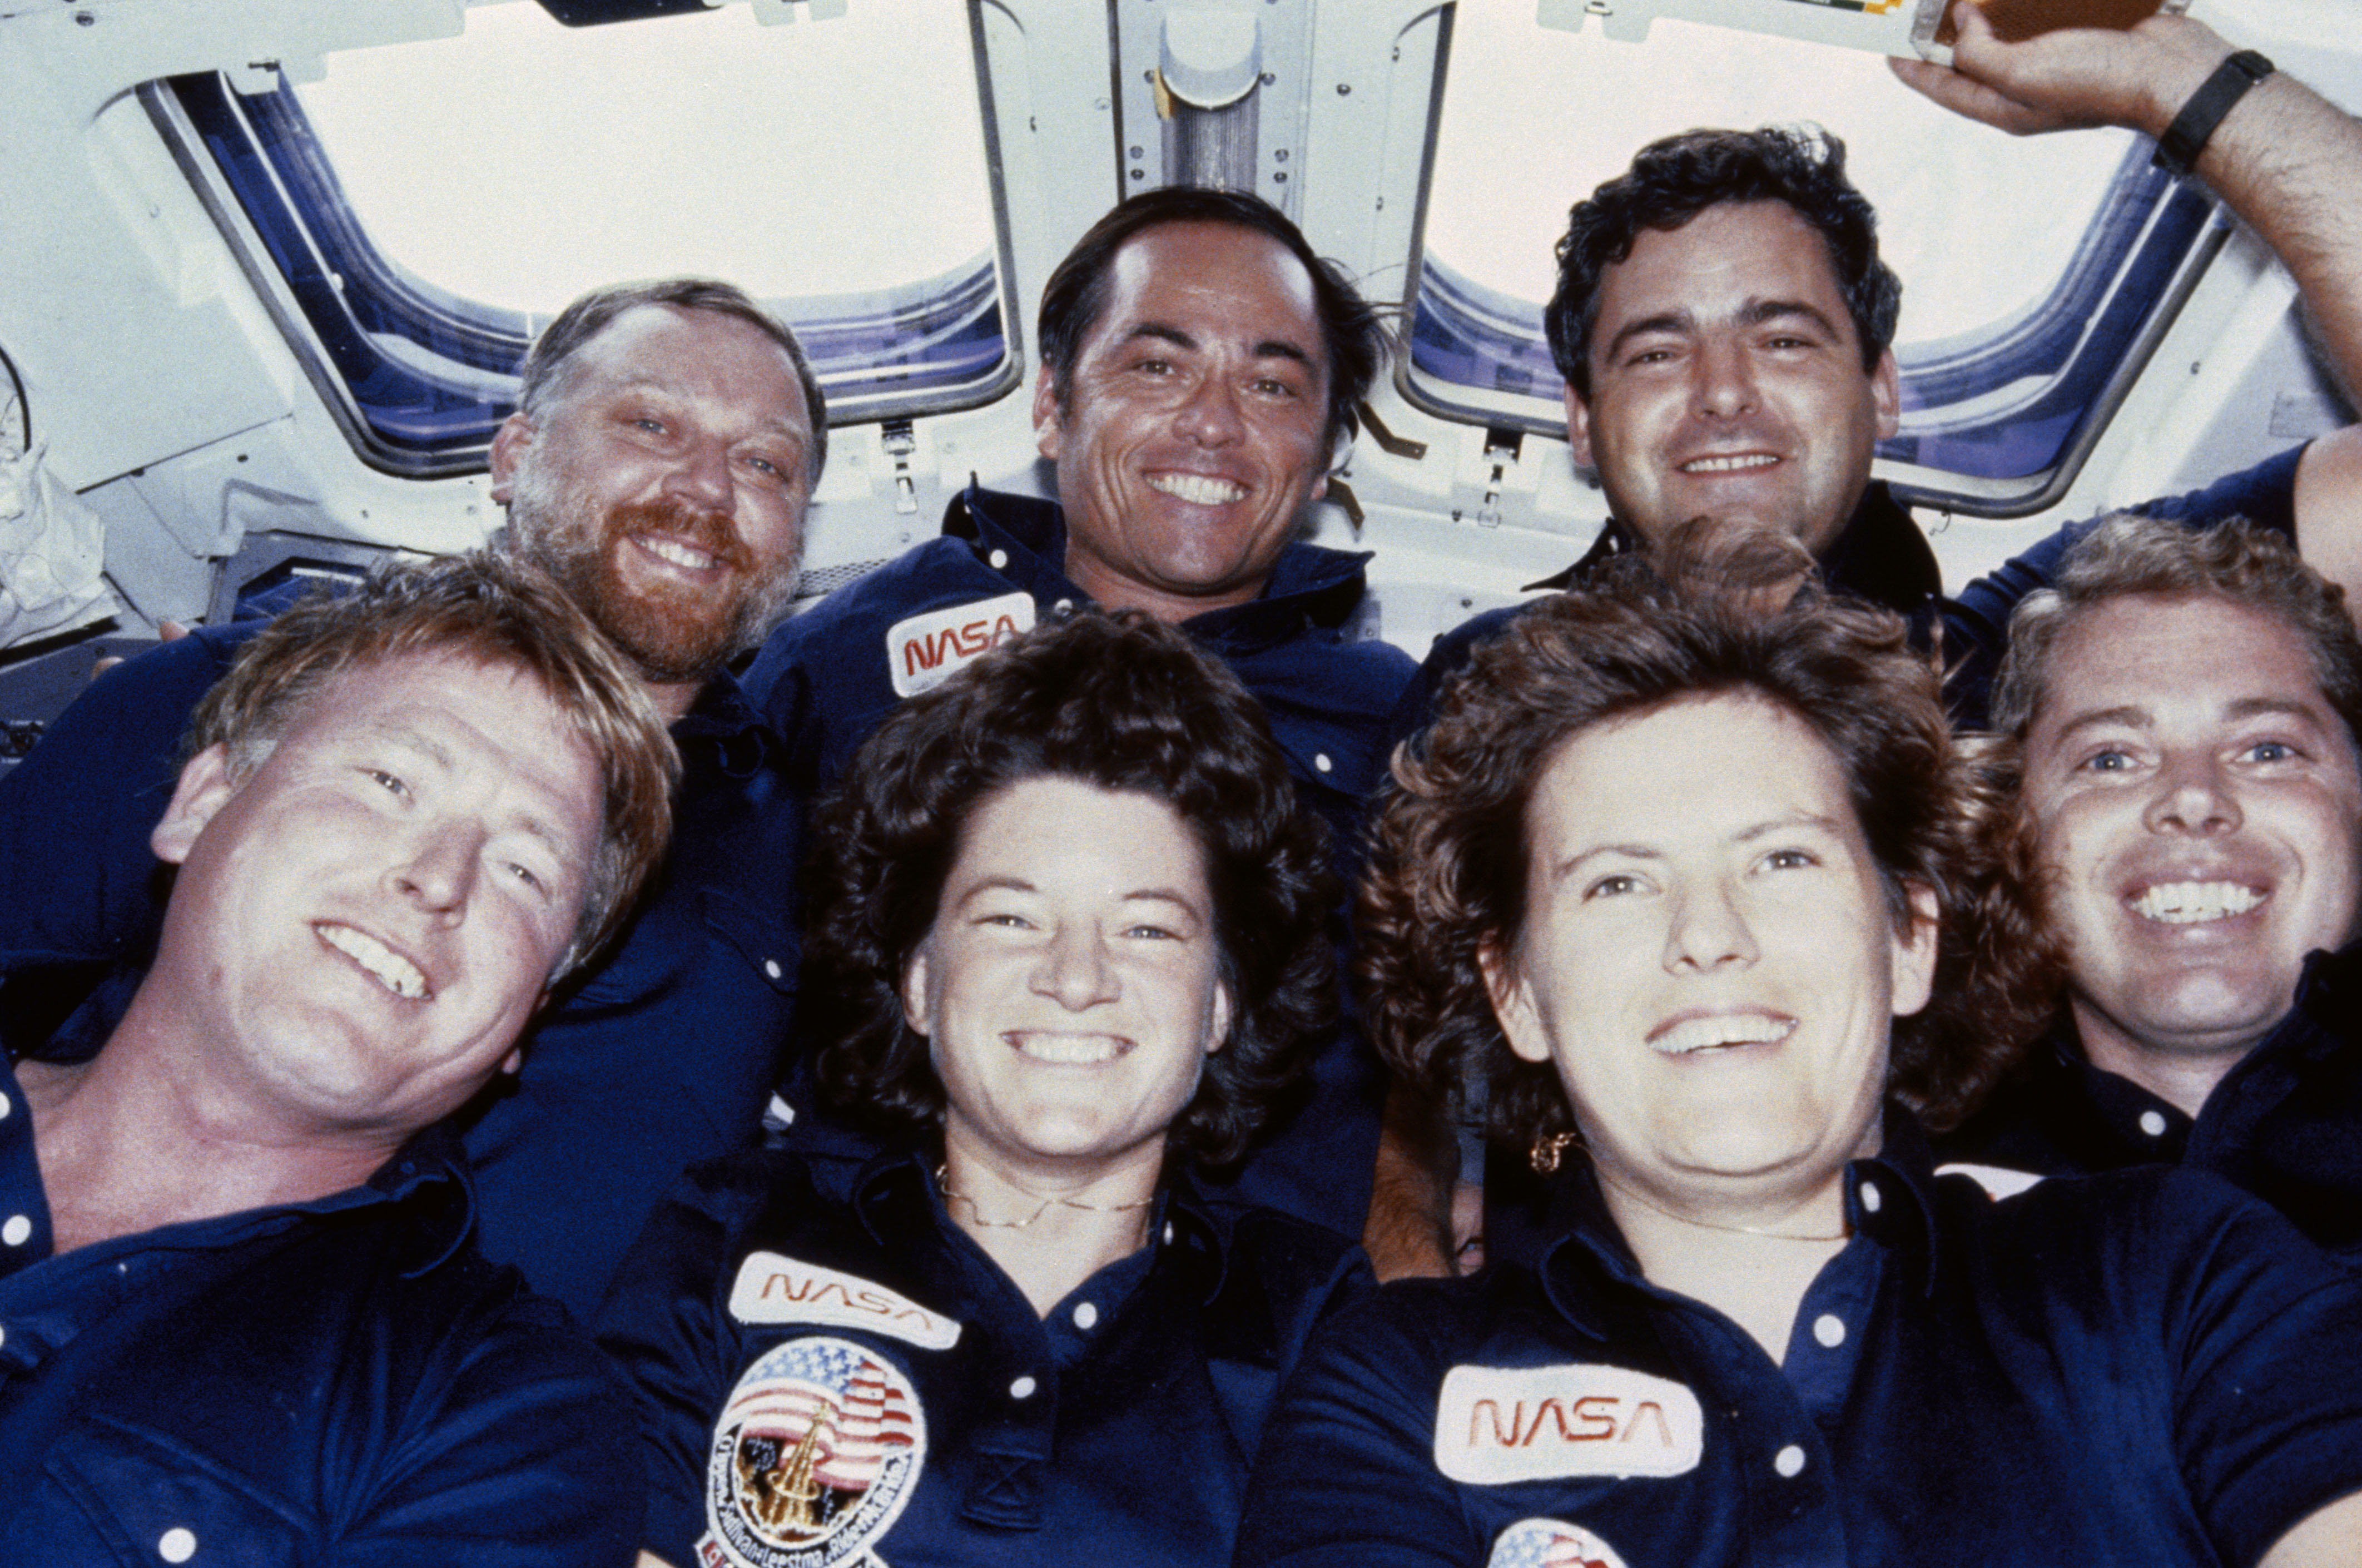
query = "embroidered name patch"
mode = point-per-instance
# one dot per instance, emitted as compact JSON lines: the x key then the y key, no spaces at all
{"x":1550,"y":1543}
{"x":1496,"y":1424}
{"x":815,"y":1455}
{"x":771,"y":1289}
{"x":923,"y":652}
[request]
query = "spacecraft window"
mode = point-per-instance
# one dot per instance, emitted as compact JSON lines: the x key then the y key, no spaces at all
{"x":427,"y":206}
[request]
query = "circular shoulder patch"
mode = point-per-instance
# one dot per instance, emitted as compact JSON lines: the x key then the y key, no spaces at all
{"x":814,"y":1457}
{"x":1550,"y":1543}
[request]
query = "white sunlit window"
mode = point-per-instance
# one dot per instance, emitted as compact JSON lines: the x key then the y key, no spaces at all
{"x":524,"y":162}
{"x":1987,"y":231}
{"x":430,"y":205}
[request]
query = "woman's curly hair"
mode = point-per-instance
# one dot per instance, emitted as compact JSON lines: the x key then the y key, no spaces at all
{"x":1125,"y":703}
{"x":1449,"y":871}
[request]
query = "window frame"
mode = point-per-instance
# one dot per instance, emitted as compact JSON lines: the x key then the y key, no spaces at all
{"x":269,"y":187}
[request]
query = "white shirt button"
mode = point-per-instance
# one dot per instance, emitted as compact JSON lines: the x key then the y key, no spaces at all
{"x":771,"y":967}
{"x":1321,"y":760}
{"x":1870,"y":1198}
{"x":1789,"y":1460}
{"x":1829,"y":1329}
{"x":1063,"y":605}
{"x":998,"y":559}
{"x":178,"y":1545}
{"x":2153,"y":1124}
{"x":1022,"y":1388}
{"x":4,"y":1108}
{"x":4,"y":1334}
{"x":16,"y":1231}
{"x":1086,"y":1315}
{"x":1168,"y":1233}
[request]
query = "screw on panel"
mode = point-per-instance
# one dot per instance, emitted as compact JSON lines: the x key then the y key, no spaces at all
{"x":1345,"y":89}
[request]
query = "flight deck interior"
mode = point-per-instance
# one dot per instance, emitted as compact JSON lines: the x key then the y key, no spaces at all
{"x":270,"y":266}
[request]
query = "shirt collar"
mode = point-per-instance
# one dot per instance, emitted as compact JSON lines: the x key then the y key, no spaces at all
{"x":2329,"y":988}
{"x":1310,"y":585}
{"x":430,"y":1175}
{"x":895,"y":1197}
{"x":1890,"y":1202}
{"x":1881,"y":556}
{"x":722,"y":715}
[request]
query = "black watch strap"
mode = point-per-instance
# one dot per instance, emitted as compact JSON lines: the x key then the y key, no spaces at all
{"x":2185,"y":139}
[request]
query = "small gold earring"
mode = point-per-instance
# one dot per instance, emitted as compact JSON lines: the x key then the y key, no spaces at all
{"x":1549,"y":1146}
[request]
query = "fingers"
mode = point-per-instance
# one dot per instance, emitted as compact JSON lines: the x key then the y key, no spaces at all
{"x":1973,"y":99}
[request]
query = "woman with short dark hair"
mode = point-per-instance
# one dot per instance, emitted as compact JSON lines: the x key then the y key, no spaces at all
{"x":1703,"y":884}
{"x":1070,"y":938}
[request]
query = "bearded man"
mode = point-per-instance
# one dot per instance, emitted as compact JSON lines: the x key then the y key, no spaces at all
{"x":666,"y":442}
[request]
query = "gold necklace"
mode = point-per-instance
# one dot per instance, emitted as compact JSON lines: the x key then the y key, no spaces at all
{"x":976,"y":1214}
{"x":1846,"y":1234}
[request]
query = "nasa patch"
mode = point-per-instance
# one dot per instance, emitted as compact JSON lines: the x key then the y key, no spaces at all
{"x":1550,"y":1543}
{"x":772,"y":1288}
{"x":1499,"y":1424}
{"x":924,"y":651}
{"x":812,"y":1458}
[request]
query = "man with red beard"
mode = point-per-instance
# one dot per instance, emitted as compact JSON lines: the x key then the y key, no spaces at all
{"x":664,"y":449}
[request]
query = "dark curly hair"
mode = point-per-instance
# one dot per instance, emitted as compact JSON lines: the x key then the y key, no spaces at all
{"x":1449,"y":872}
{"x":1123,"y":702}
{"x":1673,"y":180}
{"x":1076,"y":293}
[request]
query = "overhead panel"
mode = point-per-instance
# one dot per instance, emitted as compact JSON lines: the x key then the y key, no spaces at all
{"x":1213,"y":94}
{"x":1207,"y":69}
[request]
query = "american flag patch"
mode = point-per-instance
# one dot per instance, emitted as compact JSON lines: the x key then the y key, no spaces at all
{"x":812,"y":1457}
{"x":1550,"y":1543}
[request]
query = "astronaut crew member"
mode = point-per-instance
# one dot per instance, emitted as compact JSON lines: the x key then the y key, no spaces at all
{"x":2181,"y":713}
{"x":665,"y":446}
{"x":1200,"y":368}
{"x":241,"y":1315}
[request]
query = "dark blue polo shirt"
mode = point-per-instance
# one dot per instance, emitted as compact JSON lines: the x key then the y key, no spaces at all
{"x":2148,"y":1367}
{"x":661,"y":1055}
{"x":1882,"y":556}
{"x":345,"y":1380}
{"x":2285,"y":1123}
{"x":828,"y":678}
{"x":828,"y":1367}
